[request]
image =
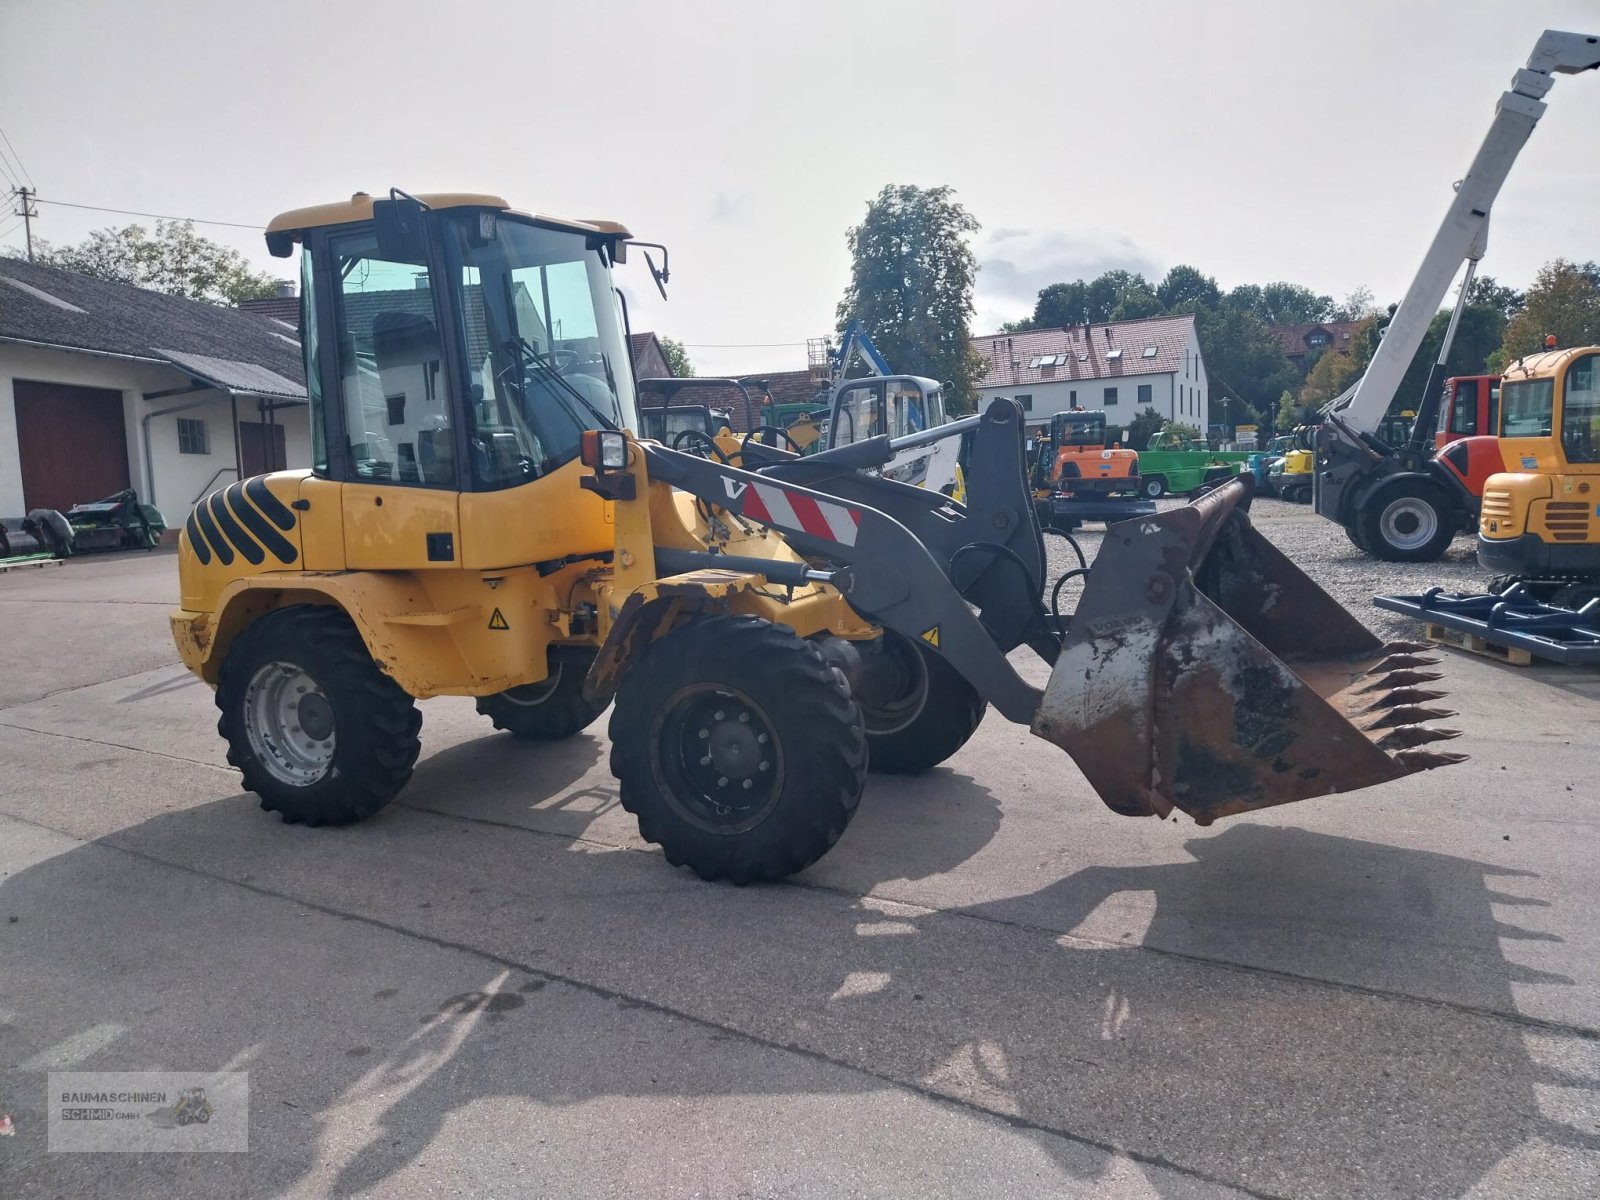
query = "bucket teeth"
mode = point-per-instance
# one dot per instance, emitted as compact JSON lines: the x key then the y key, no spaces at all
{"x":1425,"y":760}
{"x":1399,"y":679}
{"x":1408,"y":714}
{"x":1401,"y":662}
{"x":1402,"y":696}
{"x":1408,"y":736}
{"x":1406,"y":647}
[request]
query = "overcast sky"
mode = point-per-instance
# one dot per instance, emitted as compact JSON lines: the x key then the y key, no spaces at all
{"x":1258,"y":140}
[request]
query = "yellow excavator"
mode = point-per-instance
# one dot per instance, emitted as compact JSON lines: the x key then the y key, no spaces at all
{"x":1540,"y":518}
{"x":481,"y":519}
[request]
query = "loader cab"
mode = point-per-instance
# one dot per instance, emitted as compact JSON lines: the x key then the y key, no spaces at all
{"x":1471,"y":409}
{"x":1540,"y":515}
{"x":897,"y":406}
{"x":892,"y":405}
{"x":455,"y":352}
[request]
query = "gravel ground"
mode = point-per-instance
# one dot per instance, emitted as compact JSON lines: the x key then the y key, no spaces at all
{"x":1322,"y":549}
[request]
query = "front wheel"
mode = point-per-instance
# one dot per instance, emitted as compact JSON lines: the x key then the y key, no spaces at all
{"x":552,"y":709}
{"x":739,"y":748}
{"x":918,"y":708}
{"x":1408,"y":522}
{"x":1153,"y":487}
{"x":317,"y":730}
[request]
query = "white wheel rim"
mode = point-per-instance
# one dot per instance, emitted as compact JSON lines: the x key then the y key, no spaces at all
{"x":532,"y":695}
{"x":1409,"y":523}
{"x":289,"y":722}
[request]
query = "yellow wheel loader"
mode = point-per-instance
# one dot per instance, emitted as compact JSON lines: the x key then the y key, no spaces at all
{"x":480,"y":519}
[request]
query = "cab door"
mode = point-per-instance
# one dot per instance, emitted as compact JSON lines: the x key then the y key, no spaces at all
{"x":398,"y":467}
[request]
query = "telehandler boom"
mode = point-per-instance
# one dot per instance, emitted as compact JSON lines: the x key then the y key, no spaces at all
{"x":481,"y":520}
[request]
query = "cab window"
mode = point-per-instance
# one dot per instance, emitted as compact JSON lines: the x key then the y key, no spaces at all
{"x":1464,"y":408}
{"x":1526,"y":407}
{"x":391,"y":371}
{"x":1580,"y":411}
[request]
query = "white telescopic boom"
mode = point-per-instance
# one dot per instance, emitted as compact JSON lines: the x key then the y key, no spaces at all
{"x":1464,"y":233}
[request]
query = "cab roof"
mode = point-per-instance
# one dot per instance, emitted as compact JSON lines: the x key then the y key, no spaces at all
{"x":359,"y":208}
{"x":1546,"y":362}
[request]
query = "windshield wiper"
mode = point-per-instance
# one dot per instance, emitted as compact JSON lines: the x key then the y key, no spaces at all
{"x":550,"y":373}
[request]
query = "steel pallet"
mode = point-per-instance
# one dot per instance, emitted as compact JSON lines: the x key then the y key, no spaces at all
{"x":1513,"y":619}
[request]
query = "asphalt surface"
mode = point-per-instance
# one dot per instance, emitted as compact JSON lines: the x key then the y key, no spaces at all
{"x":992,"y":986}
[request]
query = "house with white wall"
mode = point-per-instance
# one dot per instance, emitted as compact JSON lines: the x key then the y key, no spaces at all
{"x":105,"y":386}
{"x":1120,"y":368}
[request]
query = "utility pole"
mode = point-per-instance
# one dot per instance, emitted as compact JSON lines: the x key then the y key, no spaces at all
{"x":27,"y":211}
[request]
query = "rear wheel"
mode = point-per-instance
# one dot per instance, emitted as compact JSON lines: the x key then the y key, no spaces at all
{"x":918,"y":708}
{"x":739,"y":748}
{"x":552,"y":709}
{"x":1154,"y":486}
{"x":1410,"y":521}
{"x":318,"y":731}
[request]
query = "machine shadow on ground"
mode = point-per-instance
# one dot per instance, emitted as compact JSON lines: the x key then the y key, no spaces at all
{"x":1231,"y":1072}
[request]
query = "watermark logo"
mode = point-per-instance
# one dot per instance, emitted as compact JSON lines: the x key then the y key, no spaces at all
{"x":146,"y":1112}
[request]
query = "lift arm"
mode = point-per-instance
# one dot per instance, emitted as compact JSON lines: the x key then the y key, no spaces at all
{"x":1463,"y":234}
{"x":855,"y":338}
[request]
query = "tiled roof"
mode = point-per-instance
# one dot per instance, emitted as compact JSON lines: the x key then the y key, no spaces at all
{"x":279,"y":308}
{"x":76,"y":312}
{"x":1294,"y":337}
{"x":1155,"y":346}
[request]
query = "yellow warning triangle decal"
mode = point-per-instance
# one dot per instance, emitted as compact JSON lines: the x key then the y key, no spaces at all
{"x":931,"y":636}
{"x":497,"y":620}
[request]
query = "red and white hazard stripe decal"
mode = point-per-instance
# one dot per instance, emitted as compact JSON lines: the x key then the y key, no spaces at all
{"x":791,"y":510}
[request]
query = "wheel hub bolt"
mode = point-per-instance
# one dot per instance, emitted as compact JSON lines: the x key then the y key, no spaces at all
{"x":748,"y":784}
{"x":723,"y":782}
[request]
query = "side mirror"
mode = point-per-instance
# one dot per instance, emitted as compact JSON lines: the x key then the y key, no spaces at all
{"x":398,"y":224}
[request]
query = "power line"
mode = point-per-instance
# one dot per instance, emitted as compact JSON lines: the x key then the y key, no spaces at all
{"x":11,"y":228}
{"x":737,"y":345}
{"x":17,"y":158}
{"x":10,"y":178}
{"x":128,"y":212}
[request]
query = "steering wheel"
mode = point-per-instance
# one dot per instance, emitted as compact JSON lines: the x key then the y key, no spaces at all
{"x":698,"y":435}
{"x":783,"y":433}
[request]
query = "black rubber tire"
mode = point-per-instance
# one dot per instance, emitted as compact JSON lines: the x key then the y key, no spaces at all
{"x":552,"y":709}
{"x":810,"y":717}
{"x":918,"y":737}
{"x":1353,"y":532}
{"x":375,"y":721}
{"x":1370,"y":519}
{"x":1153,"y":487}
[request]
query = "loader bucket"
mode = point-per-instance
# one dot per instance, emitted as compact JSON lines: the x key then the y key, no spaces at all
{"x":1204,"y":671}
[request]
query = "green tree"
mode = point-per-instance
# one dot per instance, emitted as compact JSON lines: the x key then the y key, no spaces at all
{"x":1243,"y":358}
{"x":1142,"y":428}
{"x":1335,"y":371}
{"x":174,"y":259}
{"x":1060,"y":305}
{"x":1289,"y":413}
{"x":1355,"y":306}
{"x":1488,"y":291}
{"x":677,"y":358}
{"x":911,"y":276}
{"x":1186,"y":285}
{"x":1477,"y":337}
{"x":1106,"y":292}
{"x":1282,"y":303}
{"x":1564,"y":301}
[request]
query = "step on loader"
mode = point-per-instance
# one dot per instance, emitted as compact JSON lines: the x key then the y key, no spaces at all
{"x":482,"y":520}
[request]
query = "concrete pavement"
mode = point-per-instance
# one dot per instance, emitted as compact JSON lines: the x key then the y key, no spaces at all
{"x":992,"y":986}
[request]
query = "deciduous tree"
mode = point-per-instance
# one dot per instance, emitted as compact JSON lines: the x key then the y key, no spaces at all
{"x":677,"y":358}
{"x":174,"y":259}
{"x":1564,"y":301}
{"x":911,"y":276}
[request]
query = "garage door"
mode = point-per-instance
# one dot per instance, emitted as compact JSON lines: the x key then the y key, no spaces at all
{"x":72,"y":442}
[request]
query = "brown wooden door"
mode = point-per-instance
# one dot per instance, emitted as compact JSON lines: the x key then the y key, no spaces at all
{"x":72,"y":443}
{"x":262,"y":448}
